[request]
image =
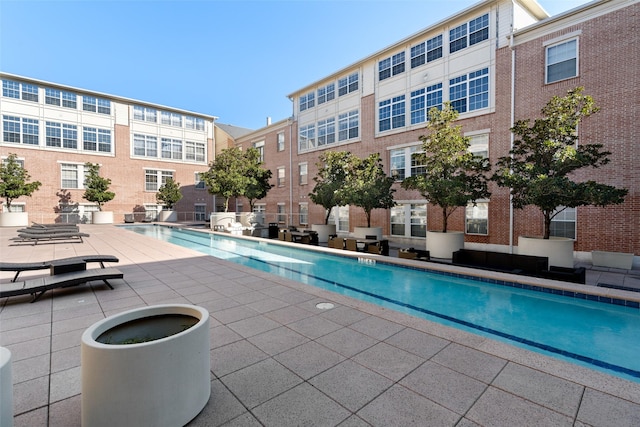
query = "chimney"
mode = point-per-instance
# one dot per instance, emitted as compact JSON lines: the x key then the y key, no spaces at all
{"x":268,"y":121}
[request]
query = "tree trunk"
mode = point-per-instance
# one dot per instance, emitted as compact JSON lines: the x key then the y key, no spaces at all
{"x":368,"y":214}
{"x":445,"y":218}
{"x":547,"y":225}
{"x":326,"y":218}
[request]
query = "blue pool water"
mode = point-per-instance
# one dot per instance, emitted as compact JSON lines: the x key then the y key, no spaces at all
{"x":599,"y":335}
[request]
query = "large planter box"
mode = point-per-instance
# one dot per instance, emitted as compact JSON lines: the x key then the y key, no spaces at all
{"x":146,"y":367}
{"x":324,"y":231}
{"x":559,"y":250}
{"x":363,"y":232}
{"x":168,"y":216}
{"x":443,"y":245}
{"x":612,"y":259}
{"x":102,"y":217}
{"x":14,"y":219}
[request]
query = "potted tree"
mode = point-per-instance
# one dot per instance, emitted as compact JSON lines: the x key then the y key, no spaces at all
{"x":540,"y":171}
{"x":14,"y":184}
{"x":169,"y":194}
{"x":453,"y":177}
{"x":97,"y":191}
{"x":368,"y":187}
{"x":332,"y":170}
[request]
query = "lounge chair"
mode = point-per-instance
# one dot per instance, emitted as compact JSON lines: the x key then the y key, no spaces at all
{"x":37,"y":237}
{"x":19,"y":267}
{"x":53,"y":230}
{"x":38,"y":286}
{"x":351,"y":244}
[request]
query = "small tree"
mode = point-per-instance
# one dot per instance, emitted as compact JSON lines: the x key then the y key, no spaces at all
{"x":332,"y":172}
{"x":14,"y":181}
{"x":259,"y":177}
{"x":169,"y":193}
{"x":544,"y":156}
{"x":453,"y":176}
{"x":367,"y":185}
{"x":96,"y":187}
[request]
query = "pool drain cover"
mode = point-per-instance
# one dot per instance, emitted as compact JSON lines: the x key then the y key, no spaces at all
{"x":324,"y":306}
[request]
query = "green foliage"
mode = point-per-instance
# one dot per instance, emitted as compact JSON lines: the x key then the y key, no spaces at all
{"x":544,"y":156}
{"x":453,"y":177}
{"x":236,"y":173}
{"x":367,"y":185}
{"x":14,"y":180}
{"x":96,"y":187}
{"x":331,"y":177}
{"x":169,"y":193}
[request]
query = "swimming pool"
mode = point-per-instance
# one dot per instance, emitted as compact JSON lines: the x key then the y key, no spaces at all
{"x":595,"y":334}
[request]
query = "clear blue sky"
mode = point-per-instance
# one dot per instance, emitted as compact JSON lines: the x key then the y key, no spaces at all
{"x":237,"y":60}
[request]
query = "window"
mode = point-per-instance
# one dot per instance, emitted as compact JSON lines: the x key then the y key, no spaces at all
{"x":16,"y":129}
{"x":423,"y":100}
{"x":30,"y":131}
{"x":69,"y":100}
{"x":562,"y":61}
{"x":10,"y":89}
{"x":260,"y":208}
{"x":391,"y":66}
{"x":72,"y":175}
{"x":417,"y":161}
{"x":477,"y":218}
{"x":434,"y":97}
{"x":280,"y":141}
{"x":145,"y":145}
{"x":199,"y":212}
{"x":417,"y":55}
{"x":302,"y":174}
{"x":303,"y":208}
{"x":194,"y":151}
{"x":307,"y":101}
{"x":479,"y":145}
{"x":60,"y":98}
{"x":401,"y":157}
{"x":144,"y":114}
{"x":348,"y":125}
{"x":171,"y":148}
{"x":193,"y":123}
{"x":94,"y":139}
{"x":434,"y":48}
{"x":326,"y":93}
{"x":29,"y":92}
{"x":10,"y":128}
{"x":151,"y":212}
{"x":260,"y":147}
{"x":348,"y":84}
{"x":53,"y":134}
{"x":19,"y":161}
{"x":409,"y":220}
{"x":199,"y":183}
{"x":52,"y":96}
{"x":102,"y":106}
{"x":391,"y":113}
{"x":281,"y":213}
{"x":397,"y":167}
{"x":340,"y":217}
{"x":172,"y":119}
{"x":61,"y":135}
{"x":470,"y":92}
{"x":563,"y":224}
{"x":281,"y":177}
{"x":154,"y":179}
{"x":326,"y":131}
{"x":307,"y":138}
{"x":15,"y":207}
{"x":468,"y":34}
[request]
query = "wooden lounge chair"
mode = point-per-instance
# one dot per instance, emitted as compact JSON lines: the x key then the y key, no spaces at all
{"x":19,"y":267}
{"x":38,"y":286}
{"x":39,"y":237}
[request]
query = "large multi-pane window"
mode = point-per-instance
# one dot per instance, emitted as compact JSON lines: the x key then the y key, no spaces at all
{"x":307,"y":137}
{"x":193,"y":123}
{"x":401,"y":157}
{"x":391,"y":113}
{"x":470,"y":92}
{"x":154,"y":179}
{"x":20,"y":130}
{"x":422,"y":100}
{"x":563,"y":224}
{"x":302,"y":173}
{"x":348,"y":125}
{"x":398,"y":162}
{"x":94,"y":139}
{"x":348,"y":84}
{"x":326,"y":131}
{"x":409,"y":220}
{"x":61,"y":135}
{"x":194,"y":151}
{"x":479,"y":145}
{"x":72,"y":175}
{"x":145,"y":145}
{"x":391,"y":66}
{"x":29,"y":92}
{"x":477,"y":218}
{"x":307,"y":101}
{"x":10,"y":89}
{"x":326,"y":93}
{"x":171,"y":148}
{"x":97,"y":105}
{"x":172,"y":119}
{"x":60,"y":98}
{"x":24,"y":91}
{"x":562,"y":61}
{"x":145,"y":114}
{"x":469,"y":33}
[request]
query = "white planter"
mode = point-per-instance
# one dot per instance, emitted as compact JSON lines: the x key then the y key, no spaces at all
{"x":6,"y":388}
{"x":362,"y":232}
{"x":324,"y":230}
{"x":168,"y":216}
{"x":162,"y":382}
{"x":248,"y":219}
{"x":612,"y":259}
{"x":443,"y":245}
{"x":559,"y":250}
{"x":102,"y":217}
{"x":224,"y":219}
{"x":14,"y":219}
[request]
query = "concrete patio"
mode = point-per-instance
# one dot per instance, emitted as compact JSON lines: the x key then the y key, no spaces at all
{"x":278,"y":360}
